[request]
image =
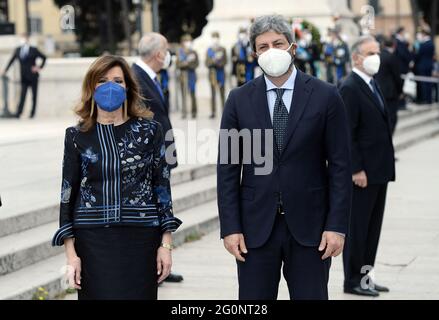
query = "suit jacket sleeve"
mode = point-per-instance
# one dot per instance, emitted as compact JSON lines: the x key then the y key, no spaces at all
{"x":43,"y":57}
{"x":11,"y":61}
{"x":71,"y":171}
{"x":396,"y":75}
{"x":337,"y":145}
{"x":228,"y":173}
{"x":353,"y":110}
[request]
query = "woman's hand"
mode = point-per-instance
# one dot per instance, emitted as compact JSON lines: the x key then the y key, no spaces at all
{"x":164,"y":258}
{"x":164,"y":263}
{"x":74,"y":272}
{"x":73,"y":264}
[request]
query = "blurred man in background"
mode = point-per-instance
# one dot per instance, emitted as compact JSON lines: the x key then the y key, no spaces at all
{"x":424,"y":60}
{"x":187,"y":63}
{"x":29,"y":72}
{"x":244,"y":63}
{"x":216,"y":59}
{"x":373,"y":165}
{"x":389,"y":80}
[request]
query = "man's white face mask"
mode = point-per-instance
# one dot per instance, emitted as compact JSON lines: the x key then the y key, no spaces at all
{"x":275,"y":62}
{"x":167,"y":60}
{"x":371,"y":64}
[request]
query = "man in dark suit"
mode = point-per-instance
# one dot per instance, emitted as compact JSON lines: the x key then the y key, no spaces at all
{"x":404,"y":57}
{"x":154,"y":56}
{"x":424,"y":60}
{"x":29,"y":71}
{"x":293,"y":207}
{"x":373,"y":165}
{"x":390,"y":81}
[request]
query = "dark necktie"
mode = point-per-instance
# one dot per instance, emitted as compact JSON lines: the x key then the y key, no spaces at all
{"x":159,"y":88}
{"x":377,"y":94}
{"x":280,"y":120}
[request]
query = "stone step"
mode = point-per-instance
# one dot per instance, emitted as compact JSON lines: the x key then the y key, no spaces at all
{"x":24,"y":283}
{"x":410,"y":138}
{"x":24,"y":248}
{"x":417,"y":120}
{"x":45,"y":207}
{"x":414,"y":110}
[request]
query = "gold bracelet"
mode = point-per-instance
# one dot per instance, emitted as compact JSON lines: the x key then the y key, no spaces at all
{"x":167,"y":246}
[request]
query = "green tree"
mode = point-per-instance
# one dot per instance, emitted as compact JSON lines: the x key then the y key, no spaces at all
{"x":183,"y":16}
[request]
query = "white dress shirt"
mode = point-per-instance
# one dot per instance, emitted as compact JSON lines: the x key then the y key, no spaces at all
{"x":151,"y":73}
{"x":366,"y":78}
{"x":287,"y":96}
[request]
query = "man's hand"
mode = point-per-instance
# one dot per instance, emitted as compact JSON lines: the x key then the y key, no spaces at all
{"x":235,"y":244}
{"x":36,"y":69}
{"x":333,"y":242}
{"x":360,"y":179}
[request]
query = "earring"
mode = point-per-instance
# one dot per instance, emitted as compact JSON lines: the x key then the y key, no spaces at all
{"x":92,"y":107}
{"x":125,"y":109}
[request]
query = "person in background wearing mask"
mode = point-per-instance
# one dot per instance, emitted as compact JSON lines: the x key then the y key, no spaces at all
{"x":341,"y":57}
{"x":216,"y":59}
{"x":297,"y":213}
{"x":313,"y":51}
{"x":29,"y":71}
{"x":424,"y":60}
{"x":116,"y":215}
{"x":243,"y":62}
{"x":404,"y":57}
{"x":389,"y":80}
{"x":187,"y":63}
{"x":373,"y":165}
{"x":154,"y":56}
{"x":329,"y":55}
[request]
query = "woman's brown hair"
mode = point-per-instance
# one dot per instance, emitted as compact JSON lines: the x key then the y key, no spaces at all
{"x":98,"y":69}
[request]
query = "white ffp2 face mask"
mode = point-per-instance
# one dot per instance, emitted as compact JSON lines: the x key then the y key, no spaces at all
{"x":275,"y":62}
{"x":167,"y":61}
{"x":371,"y":64}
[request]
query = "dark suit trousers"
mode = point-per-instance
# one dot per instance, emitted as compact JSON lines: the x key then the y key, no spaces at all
{"x":364,"y":233}
{"x":25,"y":84}
{"x":306,"y":273}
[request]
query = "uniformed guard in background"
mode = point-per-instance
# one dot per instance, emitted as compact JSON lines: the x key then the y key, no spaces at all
{"x":244,"y":63}
{"x":216,"y":59}
{"x":187,"y":62}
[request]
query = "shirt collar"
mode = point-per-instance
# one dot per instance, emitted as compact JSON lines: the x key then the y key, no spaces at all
{"x":151,"y":73}
{"x":366,"y":78}
{"x":288,"y":85}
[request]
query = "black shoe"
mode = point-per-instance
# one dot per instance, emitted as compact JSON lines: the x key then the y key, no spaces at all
{"x":362,"y":292}
{"x":380,"y":288}
{"x":212,"y":116}
{"x":173,"y":277}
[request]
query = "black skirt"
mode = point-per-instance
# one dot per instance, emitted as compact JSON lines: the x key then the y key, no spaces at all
{"x":118,"y":263}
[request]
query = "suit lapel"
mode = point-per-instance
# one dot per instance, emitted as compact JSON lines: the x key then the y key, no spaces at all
{"x":150,"y":86}
{"x":259,"y":100}
{"x":301,"y":95}
{"x":366,"y":89}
